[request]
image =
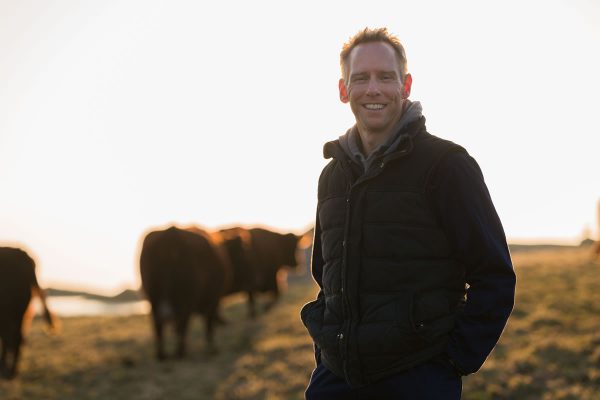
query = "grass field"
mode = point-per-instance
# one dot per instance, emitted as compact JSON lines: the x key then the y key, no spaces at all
{"x":551,"y":346}
{"x":550,"y":349}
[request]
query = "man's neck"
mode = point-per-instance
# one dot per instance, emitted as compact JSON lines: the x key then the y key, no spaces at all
{"x":372,"y":140}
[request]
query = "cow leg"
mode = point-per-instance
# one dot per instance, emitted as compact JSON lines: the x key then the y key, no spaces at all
{"x":251,"y":305}
{"x":210,"y":319}
{"x":13,"y":364}
{"x":11,"y":350}
{"x":158,"y":335}
{"x":274,"y":288}
{"x":3,"y":366}
{"x":181,"y":325}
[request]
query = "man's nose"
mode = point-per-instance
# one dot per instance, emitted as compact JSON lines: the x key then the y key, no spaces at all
{"x":373,"y":87}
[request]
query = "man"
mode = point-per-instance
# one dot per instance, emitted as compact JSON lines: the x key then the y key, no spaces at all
{"x":415,"y":274}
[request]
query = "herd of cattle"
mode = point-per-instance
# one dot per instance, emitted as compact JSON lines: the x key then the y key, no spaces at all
{"x":183,"y":271}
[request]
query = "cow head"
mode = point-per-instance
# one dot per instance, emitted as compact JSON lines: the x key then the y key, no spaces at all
{"x":290,"y":246}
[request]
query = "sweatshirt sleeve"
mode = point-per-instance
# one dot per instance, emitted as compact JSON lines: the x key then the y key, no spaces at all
{"x":464,"y":208}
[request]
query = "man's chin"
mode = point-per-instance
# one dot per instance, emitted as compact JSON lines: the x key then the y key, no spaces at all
{"x":376,"y":128}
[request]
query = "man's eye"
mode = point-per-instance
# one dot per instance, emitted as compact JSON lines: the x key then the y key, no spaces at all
{"x":359,"y":79}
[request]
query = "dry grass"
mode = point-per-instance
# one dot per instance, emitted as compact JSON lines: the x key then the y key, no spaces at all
{"x":112,"y":358}
{"x":550,"y":349}
{"x":551,"y":346}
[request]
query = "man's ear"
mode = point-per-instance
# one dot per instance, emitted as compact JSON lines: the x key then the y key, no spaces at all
{"x":407,"y":85}
{"x":343,"y":91}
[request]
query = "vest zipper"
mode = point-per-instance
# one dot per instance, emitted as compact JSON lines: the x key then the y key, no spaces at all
{"x":344,"y":336}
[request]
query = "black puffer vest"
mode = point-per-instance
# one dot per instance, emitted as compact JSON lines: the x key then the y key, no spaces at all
{"x":391,"y":287}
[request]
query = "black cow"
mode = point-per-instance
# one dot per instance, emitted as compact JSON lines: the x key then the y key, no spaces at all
{"x":183,"y":271}
{"x":17,"y":285}
{"x":260,"y":268}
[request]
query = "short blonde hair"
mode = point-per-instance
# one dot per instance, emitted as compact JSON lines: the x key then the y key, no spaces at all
{"x":368,"y":35}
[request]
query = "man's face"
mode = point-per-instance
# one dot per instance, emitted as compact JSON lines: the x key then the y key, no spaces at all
{"x":374,"y":88}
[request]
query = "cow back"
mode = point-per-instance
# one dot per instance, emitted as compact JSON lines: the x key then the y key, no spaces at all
{"x":183,"y":268}
{"x":17,"y":270}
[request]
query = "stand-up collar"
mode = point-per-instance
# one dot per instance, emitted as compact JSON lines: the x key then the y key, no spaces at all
{"x":349,"y":145}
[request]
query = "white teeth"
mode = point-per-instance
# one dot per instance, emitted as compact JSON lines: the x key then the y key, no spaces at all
{"x":374,"y":106}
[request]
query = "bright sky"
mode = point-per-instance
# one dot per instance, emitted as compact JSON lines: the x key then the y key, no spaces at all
{"x":117,"y":116}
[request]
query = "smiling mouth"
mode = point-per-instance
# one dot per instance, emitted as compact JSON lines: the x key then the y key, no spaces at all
{"x":374,"y":106}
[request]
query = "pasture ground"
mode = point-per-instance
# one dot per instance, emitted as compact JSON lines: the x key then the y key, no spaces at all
{"x":550,"y":349}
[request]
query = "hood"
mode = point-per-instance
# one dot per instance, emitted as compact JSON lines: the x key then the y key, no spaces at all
{"x":351,"y":145}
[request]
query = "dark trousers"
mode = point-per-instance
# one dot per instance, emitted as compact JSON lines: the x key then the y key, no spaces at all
{"x":434,"y":380}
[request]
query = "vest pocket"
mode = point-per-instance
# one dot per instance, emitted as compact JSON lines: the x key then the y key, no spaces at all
{"x":388,"y":326}
{"x":312,"y":316}
{"x":432,"y":315}
{"x":325,"y":336}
